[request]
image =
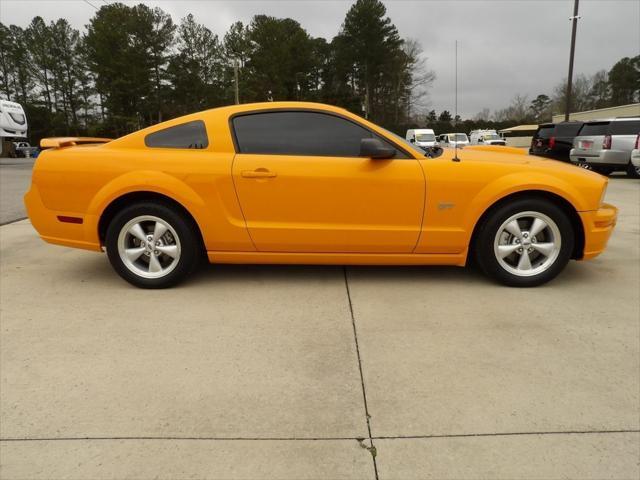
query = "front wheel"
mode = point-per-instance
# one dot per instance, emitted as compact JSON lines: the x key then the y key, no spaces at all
{"x":152,"y":245}
{"x":525,"y":243}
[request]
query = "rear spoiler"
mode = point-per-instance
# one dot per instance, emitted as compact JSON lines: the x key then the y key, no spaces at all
{"x":59,"y":142}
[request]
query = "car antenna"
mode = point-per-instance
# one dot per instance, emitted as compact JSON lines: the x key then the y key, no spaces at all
{"x":455,"y":156}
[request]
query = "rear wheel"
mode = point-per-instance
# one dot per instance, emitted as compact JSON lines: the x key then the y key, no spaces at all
{"x":525,"y":243}
{"x":633,"y":171}
{"x":152,"y":245}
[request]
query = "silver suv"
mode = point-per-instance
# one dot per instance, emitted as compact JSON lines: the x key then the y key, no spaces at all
{"x":605,"y":145}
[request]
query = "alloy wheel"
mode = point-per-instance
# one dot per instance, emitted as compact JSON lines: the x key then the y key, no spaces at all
{"x":527,"y":243}
{"x":149,"y":246}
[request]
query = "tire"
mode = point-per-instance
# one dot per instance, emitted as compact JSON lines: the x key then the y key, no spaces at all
{"x":500,"y":250}
{"x":633,"y":171}
{"x":152,"y":245}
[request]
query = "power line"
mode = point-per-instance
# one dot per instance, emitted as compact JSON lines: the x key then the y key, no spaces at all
{"x":89,"y":3}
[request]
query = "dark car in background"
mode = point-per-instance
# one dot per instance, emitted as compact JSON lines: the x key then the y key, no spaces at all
{"x":554,"y":140}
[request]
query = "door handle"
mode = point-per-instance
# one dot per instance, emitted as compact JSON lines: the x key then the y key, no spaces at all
{"x":258,"y":173}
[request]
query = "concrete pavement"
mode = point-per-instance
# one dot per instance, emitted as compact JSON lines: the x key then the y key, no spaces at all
{"x":15,"y":177}
{"x":270,"y":371}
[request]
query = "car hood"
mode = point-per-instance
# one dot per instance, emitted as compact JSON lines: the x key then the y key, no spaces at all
{"x":499,"y":154}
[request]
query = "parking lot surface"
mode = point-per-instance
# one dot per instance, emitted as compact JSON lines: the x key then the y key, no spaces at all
{"x":295,"y":372}
{"x":15,"y":176}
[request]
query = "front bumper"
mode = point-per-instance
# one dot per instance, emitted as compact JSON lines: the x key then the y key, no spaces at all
{"x":52,"y":230}
{"x":598,"y":226}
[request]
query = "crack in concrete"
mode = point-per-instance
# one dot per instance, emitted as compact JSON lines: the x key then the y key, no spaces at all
{"x":371,"y":448}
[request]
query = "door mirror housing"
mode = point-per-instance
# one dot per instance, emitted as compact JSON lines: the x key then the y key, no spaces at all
{"x":374,"y":148}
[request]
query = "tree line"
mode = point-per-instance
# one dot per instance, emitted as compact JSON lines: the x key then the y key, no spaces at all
{"x":133,"y":67}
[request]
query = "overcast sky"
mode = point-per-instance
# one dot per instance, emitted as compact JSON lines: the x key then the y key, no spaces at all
{"x":506,"y":47}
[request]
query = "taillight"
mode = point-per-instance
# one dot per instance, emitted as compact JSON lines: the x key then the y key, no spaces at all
{"x":606,"y":144}
{"x":552,"y":142}
{"x":638,"y":142}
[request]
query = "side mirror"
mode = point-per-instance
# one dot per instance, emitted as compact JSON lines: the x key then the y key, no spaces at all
{"x":433,"y":152}
{"x":480,"y":140}
{"x":374,"y":148}
{"x":413,"y":140}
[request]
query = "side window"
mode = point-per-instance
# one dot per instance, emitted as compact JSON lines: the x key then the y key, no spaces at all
{"x":625,"y":127}
{"x":300,"y":133}
{"x":187,"y":135}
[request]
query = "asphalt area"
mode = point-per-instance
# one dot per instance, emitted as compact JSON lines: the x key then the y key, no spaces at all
{"x":319,"y":372}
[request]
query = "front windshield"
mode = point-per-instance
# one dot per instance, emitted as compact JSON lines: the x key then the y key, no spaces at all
{"x":425,"y":137}
{"x":459,"y":137}
{"x":491,"y":136}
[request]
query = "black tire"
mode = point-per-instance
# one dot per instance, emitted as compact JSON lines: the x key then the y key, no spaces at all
{"x":633,"y":171}
{"x":487,"y":232}
{"x":182,"y":227}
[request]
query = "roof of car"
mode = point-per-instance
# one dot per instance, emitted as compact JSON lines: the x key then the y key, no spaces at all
{"x":613,"y":119}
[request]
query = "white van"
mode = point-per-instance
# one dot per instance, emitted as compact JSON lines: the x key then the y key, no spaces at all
{"x":453,"y":140}
{"x":13,"y":121}
{"x":422,"y":137}
{"x":486,"y":137}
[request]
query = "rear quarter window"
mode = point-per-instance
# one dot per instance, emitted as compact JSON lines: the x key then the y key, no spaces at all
{"x":600,"y":128}
{"x":624,"y":127}
{"x":190,"y":135}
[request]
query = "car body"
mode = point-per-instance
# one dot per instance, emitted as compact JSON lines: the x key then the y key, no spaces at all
{"x":554,"y":140}
{"x":606,"y":145}
{"x":233,"y":183}
{"x":485,"y":137}
{"x":453,"y":140}
{"x":422,"y":137}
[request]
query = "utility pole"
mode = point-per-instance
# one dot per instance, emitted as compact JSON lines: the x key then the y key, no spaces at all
{"x":235,"y":76}
{"x":574,"y":20}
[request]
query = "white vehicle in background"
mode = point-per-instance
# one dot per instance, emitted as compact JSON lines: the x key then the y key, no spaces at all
{"x":635,"y":155}
{"x":13,"y":126}
{"x":422,"y":137}
{"x":13,"y":121}
{"x":486,"y":137}
{"x":453,"y":140}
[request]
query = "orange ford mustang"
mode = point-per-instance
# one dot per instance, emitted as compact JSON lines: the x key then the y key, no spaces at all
{"x":296,"y":182}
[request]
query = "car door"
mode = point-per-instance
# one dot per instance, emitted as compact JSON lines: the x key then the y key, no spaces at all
{"x":303,"y":188}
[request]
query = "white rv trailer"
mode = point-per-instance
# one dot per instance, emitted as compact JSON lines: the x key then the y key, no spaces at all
{"x":13,"y":125}
{"x":13,"y":121}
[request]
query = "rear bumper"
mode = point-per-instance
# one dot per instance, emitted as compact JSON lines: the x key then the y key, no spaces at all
{"x":635,"y":158}
{"x":598,"y":226}
{"x":48,"y":225}
{"x":601,"y":157}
